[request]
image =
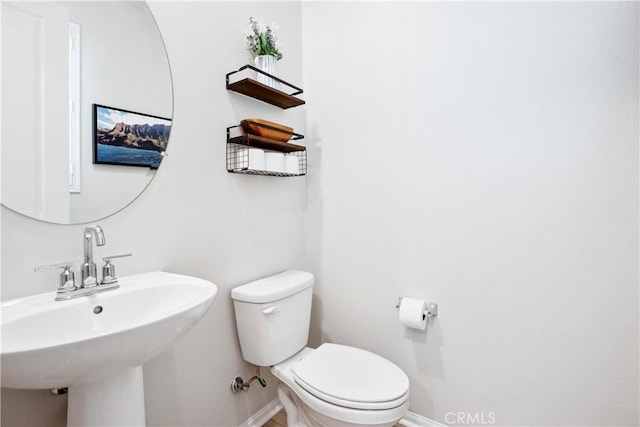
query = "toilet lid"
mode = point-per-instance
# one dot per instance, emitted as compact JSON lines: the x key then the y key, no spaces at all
{"x":352,"y":377}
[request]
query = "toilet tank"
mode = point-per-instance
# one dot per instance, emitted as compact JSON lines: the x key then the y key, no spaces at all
{"x":272,"y":316}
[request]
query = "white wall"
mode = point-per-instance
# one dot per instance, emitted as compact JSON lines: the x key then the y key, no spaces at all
{"x":483,"y":156}
{"x":195,"y":218}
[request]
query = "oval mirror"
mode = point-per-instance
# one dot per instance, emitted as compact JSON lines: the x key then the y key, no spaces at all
{"x":87,"y":103}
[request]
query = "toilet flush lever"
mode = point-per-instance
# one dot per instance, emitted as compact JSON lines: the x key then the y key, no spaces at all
{"x":271,"y":310}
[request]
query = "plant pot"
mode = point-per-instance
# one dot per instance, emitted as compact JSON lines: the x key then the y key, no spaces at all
{"x":266,"y":63}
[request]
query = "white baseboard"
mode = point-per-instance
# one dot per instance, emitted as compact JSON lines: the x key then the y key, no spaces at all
{"x":267,"y":412}
{"x":416,"y":420}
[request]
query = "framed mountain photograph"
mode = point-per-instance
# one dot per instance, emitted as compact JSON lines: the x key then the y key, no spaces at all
{"x":127,"y":138}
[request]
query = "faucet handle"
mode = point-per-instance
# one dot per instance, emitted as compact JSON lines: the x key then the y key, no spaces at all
{"x":67,"y":277}
{"x":41,"y":268}
{"x":110,"y":257}
{"x":109,"y":270}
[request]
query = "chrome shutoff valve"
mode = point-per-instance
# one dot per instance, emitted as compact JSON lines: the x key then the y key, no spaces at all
{"x":238,"y":384}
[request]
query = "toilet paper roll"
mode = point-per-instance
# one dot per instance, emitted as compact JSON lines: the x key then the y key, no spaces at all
{"x":291,"y":164}
{"x":411,"y":313}
{"x":256,"y":159}
{"x":248,"y":158}
{"x":274,"y":162}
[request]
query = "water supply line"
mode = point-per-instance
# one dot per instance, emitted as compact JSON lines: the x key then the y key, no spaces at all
{"x":238,"y":384}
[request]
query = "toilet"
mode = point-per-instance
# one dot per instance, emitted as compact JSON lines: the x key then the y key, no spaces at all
{"x":333,"y":385}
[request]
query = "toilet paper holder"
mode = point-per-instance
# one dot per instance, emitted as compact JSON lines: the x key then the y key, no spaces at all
{"x":431,"y":311}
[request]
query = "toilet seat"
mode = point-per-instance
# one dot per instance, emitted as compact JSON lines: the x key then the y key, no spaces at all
{"x":352,"y":378}
{"x":326,"y":413}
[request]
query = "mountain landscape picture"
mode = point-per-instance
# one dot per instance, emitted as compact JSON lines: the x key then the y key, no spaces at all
{"x":124,"y":137}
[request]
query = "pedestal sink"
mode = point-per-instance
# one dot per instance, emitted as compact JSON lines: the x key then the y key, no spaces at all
{"x":96,"y":345}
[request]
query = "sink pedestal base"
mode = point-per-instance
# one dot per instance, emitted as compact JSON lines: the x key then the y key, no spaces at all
{"x":116,"y":401}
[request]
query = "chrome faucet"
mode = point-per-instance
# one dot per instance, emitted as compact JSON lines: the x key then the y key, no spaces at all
{"x":88,"y":270}
{"x":89,"y":283}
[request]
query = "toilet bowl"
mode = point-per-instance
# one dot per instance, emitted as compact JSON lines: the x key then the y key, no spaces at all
{"x":334,"y":385}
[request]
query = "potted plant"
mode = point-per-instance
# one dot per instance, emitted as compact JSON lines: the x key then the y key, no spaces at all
{"x":262,"y":44}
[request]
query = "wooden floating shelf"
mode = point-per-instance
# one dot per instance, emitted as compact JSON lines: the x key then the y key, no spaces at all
{"x":265,"y":93}
{"x":266,"y":143}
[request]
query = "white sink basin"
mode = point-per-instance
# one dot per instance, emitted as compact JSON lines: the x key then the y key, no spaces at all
{"x":53,"y":344}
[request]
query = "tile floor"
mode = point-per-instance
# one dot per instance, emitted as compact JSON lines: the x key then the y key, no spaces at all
{"x":280,"y":420}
